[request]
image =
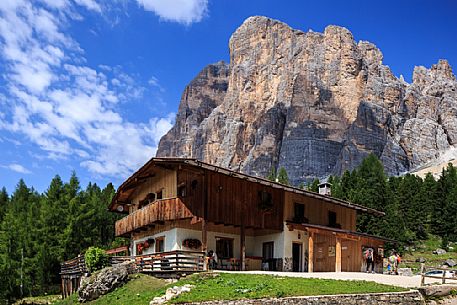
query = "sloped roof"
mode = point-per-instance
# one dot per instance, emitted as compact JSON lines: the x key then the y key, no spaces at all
{"x":144,"y":171}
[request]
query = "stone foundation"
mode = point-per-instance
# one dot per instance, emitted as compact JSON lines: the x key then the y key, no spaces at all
{"x":412,"y":297}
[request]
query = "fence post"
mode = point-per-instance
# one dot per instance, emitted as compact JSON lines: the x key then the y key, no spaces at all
{"x":444,"y":277}
{"x":422,"y":274}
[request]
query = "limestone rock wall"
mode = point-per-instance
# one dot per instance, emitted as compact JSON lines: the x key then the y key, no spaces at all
{"x":315,"y":103}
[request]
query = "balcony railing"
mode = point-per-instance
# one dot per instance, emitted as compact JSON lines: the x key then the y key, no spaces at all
{"x":153,"y":213}
{"x":171,"y":262}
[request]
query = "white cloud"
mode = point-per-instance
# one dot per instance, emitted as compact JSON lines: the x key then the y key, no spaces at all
{"x":182,"y":11}
{"x":66,"y":108}
{"x":90,"y":5}
{"x":17,"y":168}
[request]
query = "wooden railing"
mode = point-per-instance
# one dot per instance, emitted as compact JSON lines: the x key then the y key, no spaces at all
{"x":445,"y":275}
{"x":74,"y":266}
{"x":158,"y":211}
{"x":71,"y":272}
{"x":171,"y":262}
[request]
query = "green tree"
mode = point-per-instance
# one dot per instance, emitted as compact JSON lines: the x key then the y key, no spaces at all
{"x":272,"y":175}
{"x":443,"y":222}
{"x":314,"y":186}
{"x":4,"y":200}
{"x":282,"y":177}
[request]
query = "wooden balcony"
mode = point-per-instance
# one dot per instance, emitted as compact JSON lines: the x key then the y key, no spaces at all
{"x":156,"y":212}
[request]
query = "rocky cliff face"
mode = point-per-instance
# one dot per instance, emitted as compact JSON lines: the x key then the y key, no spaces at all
{"x":314,"y":103}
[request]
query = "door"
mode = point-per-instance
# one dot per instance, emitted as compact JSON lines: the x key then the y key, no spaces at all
{"x":296,"y":257}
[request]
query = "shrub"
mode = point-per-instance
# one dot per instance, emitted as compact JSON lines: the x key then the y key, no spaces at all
{"x":96,"y":259}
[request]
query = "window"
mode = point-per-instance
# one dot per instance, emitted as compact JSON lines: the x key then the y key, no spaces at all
{"x":182,"y":190}
{"x":224,"y":247}
{"x":299,"y":213}
{"x":194,"y":184}
{"x":267,"y":250}
{"x":151,"y":197}
{"x":160,"y":244}
{"x":332,"y":220}
{"x":266,"y":200}
{"x":159,"y":194}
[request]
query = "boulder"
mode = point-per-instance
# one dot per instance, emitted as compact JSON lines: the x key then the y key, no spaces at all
{"x":171,"y":293}
{"x":420,"y":260}
{"x":437,"y":290}
{"x":450,"y":262}
{"x":405,"y":271}
{"x":439,"y":251}
{"x":104,"y":281}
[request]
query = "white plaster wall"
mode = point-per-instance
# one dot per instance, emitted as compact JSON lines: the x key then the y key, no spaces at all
{"x":182,"y":234}
{"x":254,"y":248}
{"x":282,"y":242}
{"x":291,"y":237}
{"x":170,"y":241}
{"x":175,"y":237}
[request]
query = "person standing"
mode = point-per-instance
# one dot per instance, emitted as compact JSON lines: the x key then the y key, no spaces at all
{"x":392,"y":263}
{"x":369,"y":258}
{"x":397,"y":261}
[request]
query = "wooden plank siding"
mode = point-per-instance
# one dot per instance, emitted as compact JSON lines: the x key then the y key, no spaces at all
{"x":323,"y":262}
{"x":158,"y":211}
{"x":231,"y":200}
{"x":316,"y":211}
{"x":164,"y":179}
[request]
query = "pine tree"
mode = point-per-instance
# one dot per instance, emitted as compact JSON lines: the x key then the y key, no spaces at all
{"x":4,"y":199}
{"x":283,"y":178}
{"x":371,"y":191}
{"x":314,"y":186}
{"x":272,"y":175}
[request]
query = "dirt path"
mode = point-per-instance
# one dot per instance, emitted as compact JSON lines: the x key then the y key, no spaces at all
{"x":395,"y":280}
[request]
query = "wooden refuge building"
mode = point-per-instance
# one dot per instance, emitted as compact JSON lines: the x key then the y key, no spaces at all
{"x":176,"y":204}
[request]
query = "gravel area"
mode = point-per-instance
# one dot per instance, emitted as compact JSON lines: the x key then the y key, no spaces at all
{"x":395,"y":280}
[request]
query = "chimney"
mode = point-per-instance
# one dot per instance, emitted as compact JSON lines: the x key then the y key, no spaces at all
{"x":325,"y":188}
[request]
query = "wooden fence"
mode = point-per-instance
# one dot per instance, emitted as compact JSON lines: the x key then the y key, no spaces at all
{"x":443,"y":274}
{"x":165,"y":263}
{"x":177,"y":261}
{"x":71,"y":272}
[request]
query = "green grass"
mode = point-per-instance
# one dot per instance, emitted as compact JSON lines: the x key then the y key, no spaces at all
{"x":425,"y":249}
{"x":230,"y":286}
{"x":44,"y":299}
{"x":140,"y":290}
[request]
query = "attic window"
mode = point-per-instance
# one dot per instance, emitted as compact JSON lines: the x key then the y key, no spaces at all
{"x":299,"y":213}
{"x":332,"y":220}
{"x":266,"y":200}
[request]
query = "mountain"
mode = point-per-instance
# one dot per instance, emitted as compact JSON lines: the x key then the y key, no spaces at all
{"x":314,"y":103}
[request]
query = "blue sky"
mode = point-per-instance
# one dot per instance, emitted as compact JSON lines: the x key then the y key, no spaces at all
{"x":92,"y":85}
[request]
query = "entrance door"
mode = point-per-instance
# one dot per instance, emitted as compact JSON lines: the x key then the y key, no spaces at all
{"x":296,"y":257}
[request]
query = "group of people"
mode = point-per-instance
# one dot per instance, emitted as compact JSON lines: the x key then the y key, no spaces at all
{"x":392,"y":261}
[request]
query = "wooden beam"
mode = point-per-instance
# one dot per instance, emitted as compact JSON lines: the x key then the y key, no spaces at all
{"x":338,"y":255}
{"x":204,"y":242}
{"x":347,"y":236}
{"x":311,"y":252}
{"x":242,"y":246}
{"x":205,"y":222}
